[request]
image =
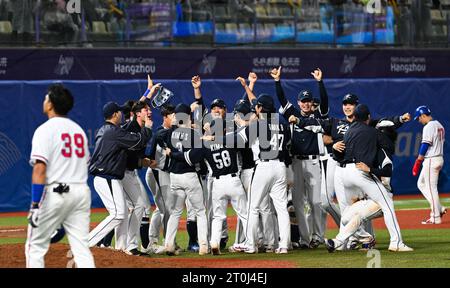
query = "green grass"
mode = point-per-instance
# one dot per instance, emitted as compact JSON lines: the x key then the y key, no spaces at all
{"x":432,"y":247}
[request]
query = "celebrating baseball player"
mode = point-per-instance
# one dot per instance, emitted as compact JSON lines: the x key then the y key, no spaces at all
{"x":60,"y":194}
{"x":431,"y":154}
{"x":108,"y":165}
{"x":306,"y":168}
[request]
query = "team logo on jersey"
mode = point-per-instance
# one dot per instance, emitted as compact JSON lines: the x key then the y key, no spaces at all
{"x":348,"y":64}
{"x":342,"y":128}
{"x":208,"y":64}
{"x":9,"y":153}
{"x":64,"y":65}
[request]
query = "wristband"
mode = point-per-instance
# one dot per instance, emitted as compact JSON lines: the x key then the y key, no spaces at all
{"x":36,"y":192}
{"x":146,"y":92}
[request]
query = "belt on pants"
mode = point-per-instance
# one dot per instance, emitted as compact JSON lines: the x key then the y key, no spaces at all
{"x":61,"y":188}
{"x":267,"y":160}
{"x":306,"y":157}
{"x":232,"y":175}
{"x":343,"y":165}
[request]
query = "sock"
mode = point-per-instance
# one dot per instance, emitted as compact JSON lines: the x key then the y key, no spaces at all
{"x":145,"y":225}
{"x":191,"y":228}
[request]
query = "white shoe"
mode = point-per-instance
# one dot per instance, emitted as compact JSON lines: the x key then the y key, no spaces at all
{"x":435,"y":220}
{"x":400,"y":248}
{"x":250,"y":250}
{"x":236,"y":248}
{"x":203,"y":250}
{"x":281,"y":251}
{"x":443,"y":211}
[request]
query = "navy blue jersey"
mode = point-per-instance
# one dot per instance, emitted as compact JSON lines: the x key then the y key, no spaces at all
{"x":182,"y":139}
{"x":158,"y":144}
{"x":268,"y":139}
{"x":134,"y":156}
{"x":361,"y":144}
{"x":304,"y":142}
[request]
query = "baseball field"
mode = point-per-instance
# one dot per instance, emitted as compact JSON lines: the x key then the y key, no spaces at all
{"x":430,"y":243}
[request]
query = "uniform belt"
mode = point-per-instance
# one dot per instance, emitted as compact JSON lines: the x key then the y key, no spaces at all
{"x":342,"y":165}
{"x":232,"y":175}
{"x":61,"y":188}
{"x":267,"y":160}
{"x":306,"y":157}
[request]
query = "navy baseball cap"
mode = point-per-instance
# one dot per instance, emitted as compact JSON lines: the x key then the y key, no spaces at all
{"x":305,"y":95}
{"x":110,"y":108}
{"x":218,"y":103}
{"x":420,"y":111}
{"x":183,"y":108}
{"x":362,"y":112}
{"x":350,"y":99}
{"x":266,"y":102}
{"x":242,"y":107}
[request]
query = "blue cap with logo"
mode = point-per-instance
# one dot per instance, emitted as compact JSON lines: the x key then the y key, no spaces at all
{"x":420,"y":111}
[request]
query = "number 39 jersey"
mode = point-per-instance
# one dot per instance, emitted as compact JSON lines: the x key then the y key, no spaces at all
{"x":62,"y":145}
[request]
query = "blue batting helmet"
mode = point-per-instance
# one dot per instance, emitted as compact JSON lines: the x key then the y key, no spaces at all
{"x":420,"y":111}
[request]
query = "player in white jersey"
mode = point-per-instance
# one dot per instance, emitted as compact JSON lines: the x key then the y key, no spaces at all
{"x":60,"y":195}
{"x":431,"y":153}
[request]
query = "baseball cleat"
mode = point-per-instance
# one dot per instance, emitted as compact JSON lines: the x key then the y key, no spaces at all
{"x":223,"y":243}
{"x":268,"y":249}
{"x":203,"y":250}
{"x":281,"y":251}
{"x":304,"y":246}
{"x":236,"y":248}
{"x":400,"y":248}
{"x":250,"y":250}
{"x":215,"y":249}
{"x":193,"y":248}
{"x":443,"y":211}
{"x":368,"y":245}
{"x":353,"y":245}
{"x":329,"y":243}
{"x":135,"y":252}
{"x":314,"y":244}
{"x":435,"y":220}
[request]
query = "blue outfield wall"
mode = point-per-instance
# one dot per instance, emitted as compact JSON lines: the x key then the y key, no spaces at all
{"x":21,"y":103}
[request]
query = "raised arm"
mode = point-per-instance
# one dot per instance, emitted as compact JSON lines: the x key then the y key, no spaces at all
{"x":249,"y":92}
{"x":276,"y":75}
{"x":323,"y":108}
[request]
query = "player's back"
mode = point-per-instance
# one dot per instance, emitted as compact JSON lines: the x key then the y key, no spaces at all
{"x":222,"y":160}
{"x":434,"y":134}
{"x":182,"y":140}
{"x":63,"y":146}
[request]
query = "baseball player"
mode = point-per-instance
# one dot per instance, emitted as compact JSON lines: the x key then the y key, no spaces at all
{"x":158,"y":180}
{"x":268,"y":139}
{"x":361,"y":145}
{"x":135,"y":194}
{"x":59,"y":192}
{"x":108,"y":165}
{"x":431,"y":154}
{"x":306,"y":167}
{"x":184,"y":180}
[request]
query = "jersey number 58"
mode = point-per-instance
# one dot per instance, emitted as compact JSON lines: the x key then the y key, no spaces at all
{"x":78,"y":141}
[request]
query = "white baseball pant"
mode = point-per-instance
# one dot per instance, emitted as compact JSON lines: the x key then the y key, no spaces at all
{"x":427,"y":183}
{"x":188,"y":186}
{"x":227,"y":188}
{"x":159,"y":184}
{"x":307,"y":182}
{"x":137,"y":202}
{"x":72,"y":210}
{"x":269,"y":179}
{"x":357,"y":183}
{"x":327,"y":191}
{"x":112,"y":195}
{"x":356,"y":214}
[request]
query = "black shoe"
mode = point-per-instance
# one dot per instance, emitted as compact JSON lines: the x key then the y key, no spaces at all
{"x":223,"y":243}
{"x":330,"y":245}
{"x":136,"y":252}
{"x":304,"y":247}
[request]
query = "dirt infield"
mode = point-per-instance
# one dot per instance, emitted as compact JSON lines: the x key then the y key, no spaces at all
{"x":13,"y":257}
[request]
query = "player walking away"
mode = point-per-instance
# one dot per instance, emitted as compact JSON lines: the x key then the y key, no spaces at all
{"x":158,"y":180}
{"x":431,"y":154}
{"x":108,"y":165}
{"x":184,"y":181}
{"x":305,"y":152}
{"x":361,"y":145}
{"x":60,"y":195}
